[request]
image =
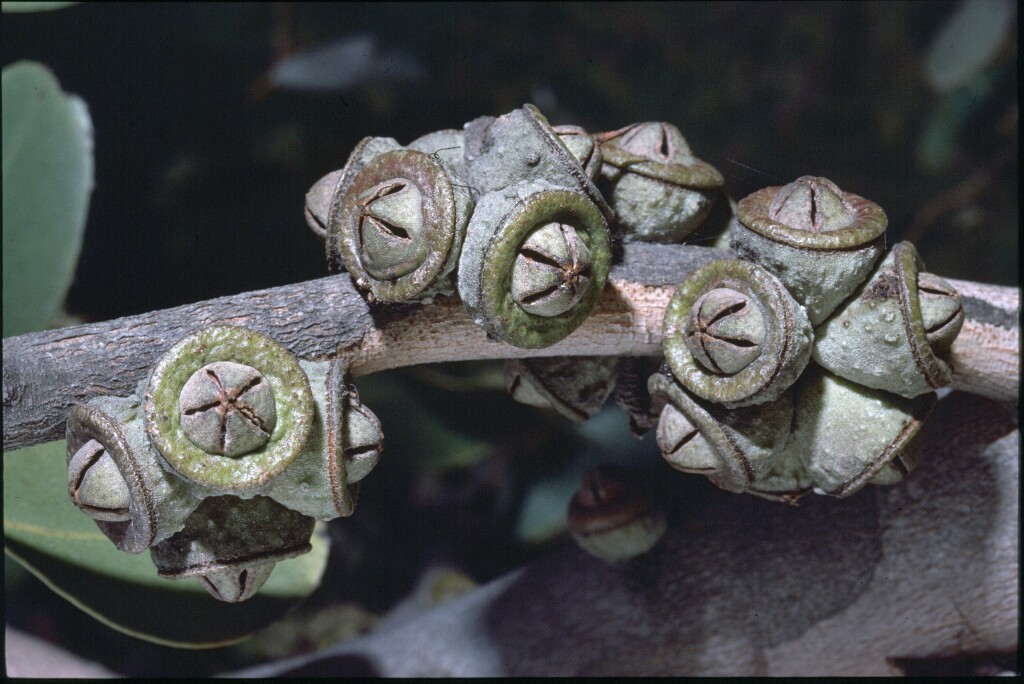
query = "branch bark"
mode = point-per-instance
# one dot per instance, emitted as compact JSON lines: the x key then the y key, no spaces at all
{"x":923,"y":570}
{"x":46,"y":373}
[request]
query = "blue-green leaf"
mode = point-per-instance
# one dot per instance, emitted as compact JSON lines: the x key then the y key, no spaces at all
{"x":63,"y":547}
{"x":48,"y":177}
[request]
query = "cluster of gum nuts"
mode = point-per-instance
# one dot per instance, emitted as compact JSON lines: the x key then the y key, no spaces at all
{"x":805,"y":365}
{"x":224,"y":459}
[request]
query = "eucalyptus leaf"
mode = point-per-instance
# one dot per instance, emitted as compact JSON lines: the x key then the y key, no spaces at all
{"x":437,"y":447}
{"x":64,"y":549}
{"x":967,"y":42}
{"x":181,"y":619}
{"x":48,"y":177}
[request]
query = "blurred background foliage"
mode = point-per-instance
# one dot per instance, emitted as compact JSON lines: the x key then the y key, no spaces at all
{"x":212,"y":120}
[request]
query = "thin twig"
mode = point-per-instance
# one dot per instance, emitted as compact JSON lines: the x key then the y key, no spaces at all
{"x":46,"y":373}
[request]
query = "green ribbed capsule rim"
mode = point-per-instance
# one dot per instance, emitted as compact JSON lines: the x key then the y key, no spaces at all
{"x":868,"y":226}
{"x":292,"y":394}
{"x":365,"y":151}
{"x":907,"y":264}
{"x":86,"y":422}
{"x":695,"y":174}
{"x":785,"y":347}
{"x":737,"y":471}
{"x":506,"y":318}
{"x":432,"y":253}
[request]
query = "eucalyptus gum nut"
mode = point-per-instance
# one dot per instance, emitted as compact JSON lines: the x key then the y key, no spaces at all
{"x":612,"y":520}
{"x":552,"y":270}
{"x":520,"y":146}
{"x":725,"y":331}
{"x":787,"y":481}
{"x":323,"y":193}
{"x":501,"y":223}
{"x":447,"y":145}
{"x":318,"y":203}
{"x":879,"y":339}
{"x":96,"y":486}
{"x":227,"y":408}
{"x":658,"y":150}
{"x":234,"y":585}
{"x":846,"y":434}
{"x":575,"y":386}
{"x":650,"y":210}
{"x":820,"y":259}
{"x":158,"y":502}
{"x":732,"y":447}
{"x":399,"y":225}
{"x":683,"y":445}
{"x":292,"y":397}
{"x":228,"y":536}
{"x":344,"y":445}
{"x":584,"y":147}
{"x":659,"y":190}
{"x":784,"y":343}
{"x":942,"y":312}
{"x":362,"y":437}
{"x":897,"y":470}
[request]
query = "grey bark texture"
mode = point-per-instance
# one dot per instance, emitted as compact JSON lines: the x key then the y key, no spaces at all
{"x":46,"y":373}
{"x":925,"y":569}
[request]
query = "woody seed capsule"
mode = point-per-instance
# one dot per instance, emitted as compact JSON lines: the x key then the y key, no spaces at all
{"x":552,"y":270}
{"x":941,"y":311}
{"x":819,"y":241}
{"x":611,"y":520}
{"x":894,"y":332}
{"x":96,"y":485}
{"x":725,"y":330}
{"x":659,"y":190}
{"x":227,"y":408}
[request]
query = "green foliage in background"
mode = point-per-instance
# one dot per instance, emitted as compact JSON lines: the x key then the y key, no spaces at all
{"x":65,"y":549}
{"x":48,"y":177}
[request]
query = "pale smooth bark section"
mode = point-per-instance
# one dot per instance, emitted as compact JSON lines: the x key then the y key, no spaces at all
{"x":986,"y":354}
{"x":925,"y":569}
{"x":30,"y":657}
